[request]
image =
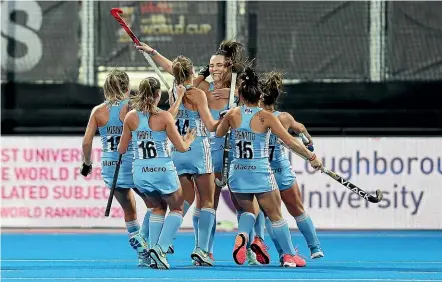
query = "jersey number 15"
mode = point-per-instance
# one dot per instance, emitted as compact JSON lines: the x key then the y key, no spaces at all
{"x":245,"y":149}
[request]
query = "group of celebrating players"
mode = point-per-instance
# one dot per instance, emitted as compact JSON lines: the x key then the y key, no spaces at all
{"x":173,"y":176}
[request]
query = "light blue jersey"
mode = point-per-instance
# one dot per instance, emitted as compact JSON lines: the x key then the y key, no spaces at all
{"x":216,"y":143}
{"x":153,"y":167}
{"x":198,"y":159}
{"x":110,"y":135}
{"x":280,"y":163}
{"x":250,"y":169}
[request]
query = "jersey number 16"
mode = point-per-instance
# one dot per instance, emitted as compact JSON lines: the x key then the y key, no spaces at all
{"x":147,"y":149}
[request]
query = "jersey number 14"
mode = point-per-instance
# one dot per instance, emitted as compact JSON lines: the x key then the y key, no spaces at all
{"x":182,"y":126}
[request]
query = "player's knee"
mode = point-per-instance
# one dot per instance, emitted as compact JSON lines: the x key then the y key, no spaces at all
{"x":299,"y":207}
{"x":176,"y":210}
{"x":159,"y":210}
{"x":207,"y":203}
{"x":275,"y":216}
{"x":294,"y":206}
{"x":129,"y":214}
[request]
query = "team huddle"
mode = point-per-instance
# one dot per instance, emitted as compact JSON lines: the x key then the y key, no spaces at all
{"x":173,"y":158}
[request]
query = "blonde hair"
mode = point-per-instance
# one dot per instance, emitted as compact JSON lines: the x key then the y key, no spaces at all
{"x":144,"y":100}
{"x":182,"y":69}
{"x":116,"y":86}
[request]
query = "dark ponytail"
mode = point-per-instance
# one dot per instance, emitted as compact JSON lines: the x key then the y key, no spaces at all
{"x":249,"y":88}
{"x":271,"y":86}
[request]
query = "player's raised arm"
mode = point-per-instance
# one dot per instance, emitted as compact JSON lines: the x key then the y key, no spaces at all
{"x":200,"y":100}
{"x":173,"y":110}
{"x":164,"y":62}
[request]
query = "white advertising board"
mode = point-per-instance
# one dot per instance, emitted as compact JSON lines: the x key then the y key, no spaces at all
{"x":42,"y":187}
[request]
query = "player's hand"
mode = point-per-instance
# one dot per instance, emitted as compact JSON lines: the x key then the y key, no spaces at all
{"x":181,"y":90}
{"x":316,"y":164}
{"x":222,"y":114}
{"x":144,"y":48}
{"x":222,"y":93}
{"x":86,"y":169}
{"x":190,"y":135}
{"x":309,"y":145}
{"x":171,"y":97}
{"x":204,"y":71}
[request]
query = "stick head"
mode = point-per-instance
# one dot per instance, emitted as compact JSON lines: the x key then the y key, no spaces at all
{"x":377,"y":199}
{"x":379,"y":196}
{"x":220,"y":183}
{"x":116,"y":12}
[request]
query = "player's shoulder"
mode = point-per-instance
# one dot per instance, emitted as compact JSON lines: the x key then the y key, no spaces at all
{"x":197,"y":96}
{"x":286,"y":119}
{"x":164,"y":115}
{"x":204,"y":86}
{"x":285,"y":116}
{"x":99,"y":108}
{"x":235,"y":110}
{"x":131,"y":114}
{"x":265,"y":113}
{"x":197,"y":92}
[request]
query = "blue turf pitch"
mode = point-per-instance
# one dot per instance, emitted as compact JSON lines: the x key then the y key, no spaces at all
{"x":350,"y":256}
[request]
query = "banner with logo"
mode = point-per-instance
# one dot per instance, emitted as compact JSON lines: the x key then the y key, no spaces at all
{"x":40,"y":40}
{"x":188,"y":28}
{"x":42,"y":186}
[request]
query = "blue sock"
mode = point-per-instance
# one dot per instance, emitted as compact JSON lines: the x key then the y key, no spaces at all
{"x":171,"y":225}
{"x":246,"y":223}
{"x":272,"y":236}
{"x":144,"y":231}
{"x":252,"y":232}
{"x":251,"y":236}
{"x":212,"y":236}
{"x":207,"y":216}
{"x":195,"y":220}
{"x":305,"y":225}
{"x":238,"y":215}
{"x":282,"y":235}
{"x":132,"y":226}
{"x":186,"y":208}
{"x":259,"y":225}
{"x":155,"y":225}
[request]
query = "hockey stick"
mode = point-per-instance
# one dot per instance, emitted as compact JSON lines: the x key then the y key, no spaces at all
{"x":340,"y":179}
{"x":116,"y":14}
{"x":225,"y":168}
{"x":114,"y":184}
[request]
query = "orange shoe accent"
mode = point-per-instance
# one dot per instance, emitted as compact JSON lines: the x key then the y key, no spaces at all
{"x":239,"y":250}
{"x":288,"y":261}
{"x":300,"y":261}
{"x":260,"y":249}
